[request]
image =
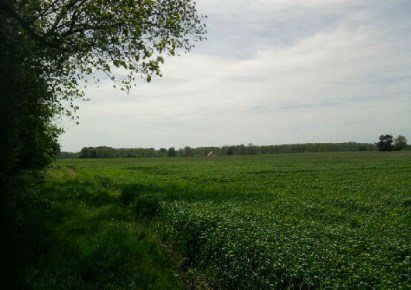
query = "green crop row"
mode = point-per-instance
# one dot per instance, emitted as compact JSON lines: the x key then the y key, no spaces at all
{"x":241,"y":246}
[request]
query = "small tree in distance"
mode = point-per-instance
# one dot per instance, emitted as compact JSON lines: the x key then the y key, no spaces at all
{"x":171,"y":152}
{"x":400,"y":142}
{"x":387,"y":143}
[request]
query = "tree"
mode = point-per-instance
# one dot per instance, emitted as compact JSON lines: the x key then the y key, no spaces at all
{"x":171,"y":152}
{"x":81,"y":37}
{"x":69,"y":42}
{"x":400,"y":142}
{"x":188,"y":151}
{"x":385,"y":143}
{"x":28,"y":138}
{"x":163,"y":151}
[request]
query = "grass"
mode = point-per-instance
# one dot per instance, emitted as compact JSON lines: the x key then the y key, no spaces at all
{"x":71,"y":233}
{"x":325,"y":220}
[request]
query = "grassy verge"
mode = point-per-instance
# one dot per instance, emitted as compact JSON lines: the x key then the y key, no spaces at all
{"x":69,"y":232}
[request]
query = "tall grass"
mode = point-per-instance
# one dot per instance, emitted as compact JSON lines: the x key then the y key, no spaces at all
{"x":70,"y":232}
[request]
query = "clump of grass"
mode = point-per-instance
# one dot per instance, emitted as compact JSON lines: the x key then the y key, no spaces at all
{"x":146,"y":206}
{"x":143,"y":205}
{"x":106,"y":182}
{"x":129,"y":193}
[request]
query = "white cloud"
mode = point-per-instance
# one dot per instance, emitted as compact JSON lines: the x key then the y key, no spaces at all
{"x":325,"y":83}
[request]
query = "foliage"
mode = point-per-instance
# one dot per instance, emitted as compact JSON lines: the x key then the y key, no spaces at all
{"x":400,"y":142}
{"x":66,"y":155}
{"x":28,"y":138}
{"x":81,"y":37}
{"x":252,"y":149}
{"x":109,"y":152}
{"x":98,"y":152}
{"x":385,"y":143}
{"x":388,"y":143}
{"x":171,"y":152}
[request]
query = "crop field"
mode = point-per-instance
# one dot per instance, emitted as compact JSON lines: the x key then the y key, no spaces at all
{"x":286,"y":221}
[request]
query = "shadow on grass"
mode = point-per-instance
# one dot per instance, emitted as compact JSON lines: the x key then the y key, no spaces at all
{"x":72,"y":234}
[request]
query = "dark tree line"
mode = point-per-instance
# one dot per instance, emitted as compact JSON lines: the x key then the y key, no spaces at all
{"x":386,"y":143}
{"x":109,"y":152}
{"x":250,"y":149}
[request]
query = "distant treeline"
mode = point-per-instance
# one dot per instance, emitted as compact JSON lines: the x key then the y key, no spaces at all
{"x":250,"y":149}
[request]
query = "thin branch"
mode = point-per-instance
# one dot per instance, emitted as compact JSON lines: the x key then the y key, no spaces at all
{"x":46,"y":10}
{"x":62,"y":14}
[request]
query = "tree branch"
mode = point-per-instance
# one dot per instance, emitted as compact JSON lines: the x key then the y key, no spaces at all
{"x":41,"y":39}
{"x":63,"y":13}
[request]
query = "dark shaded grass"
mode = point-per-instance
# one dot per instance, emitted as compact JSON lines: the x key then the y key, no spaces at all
{"x":69,"y":233}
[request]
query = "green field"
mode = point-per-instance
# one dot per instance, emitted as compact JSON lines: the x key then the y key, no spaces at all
{"x":325,"y":220}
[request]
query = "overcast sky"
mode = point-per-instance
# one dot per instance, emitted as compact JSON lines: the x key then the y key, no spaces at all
{"x":271,"y":72}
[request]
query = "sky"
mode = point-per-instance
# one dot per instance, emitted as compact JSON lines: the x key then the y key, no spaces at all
{"x":270,"y":72}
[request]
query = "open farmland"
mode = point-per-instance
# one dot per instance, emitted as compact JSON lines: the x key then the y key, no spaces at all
{"x":327,"y":220}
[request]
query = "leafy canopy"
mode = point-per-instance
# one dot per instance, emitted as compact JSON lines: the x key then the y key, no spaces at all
{"x":400,"y":142}
{"x":80,"y":38}
{"x":388,"y":143}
